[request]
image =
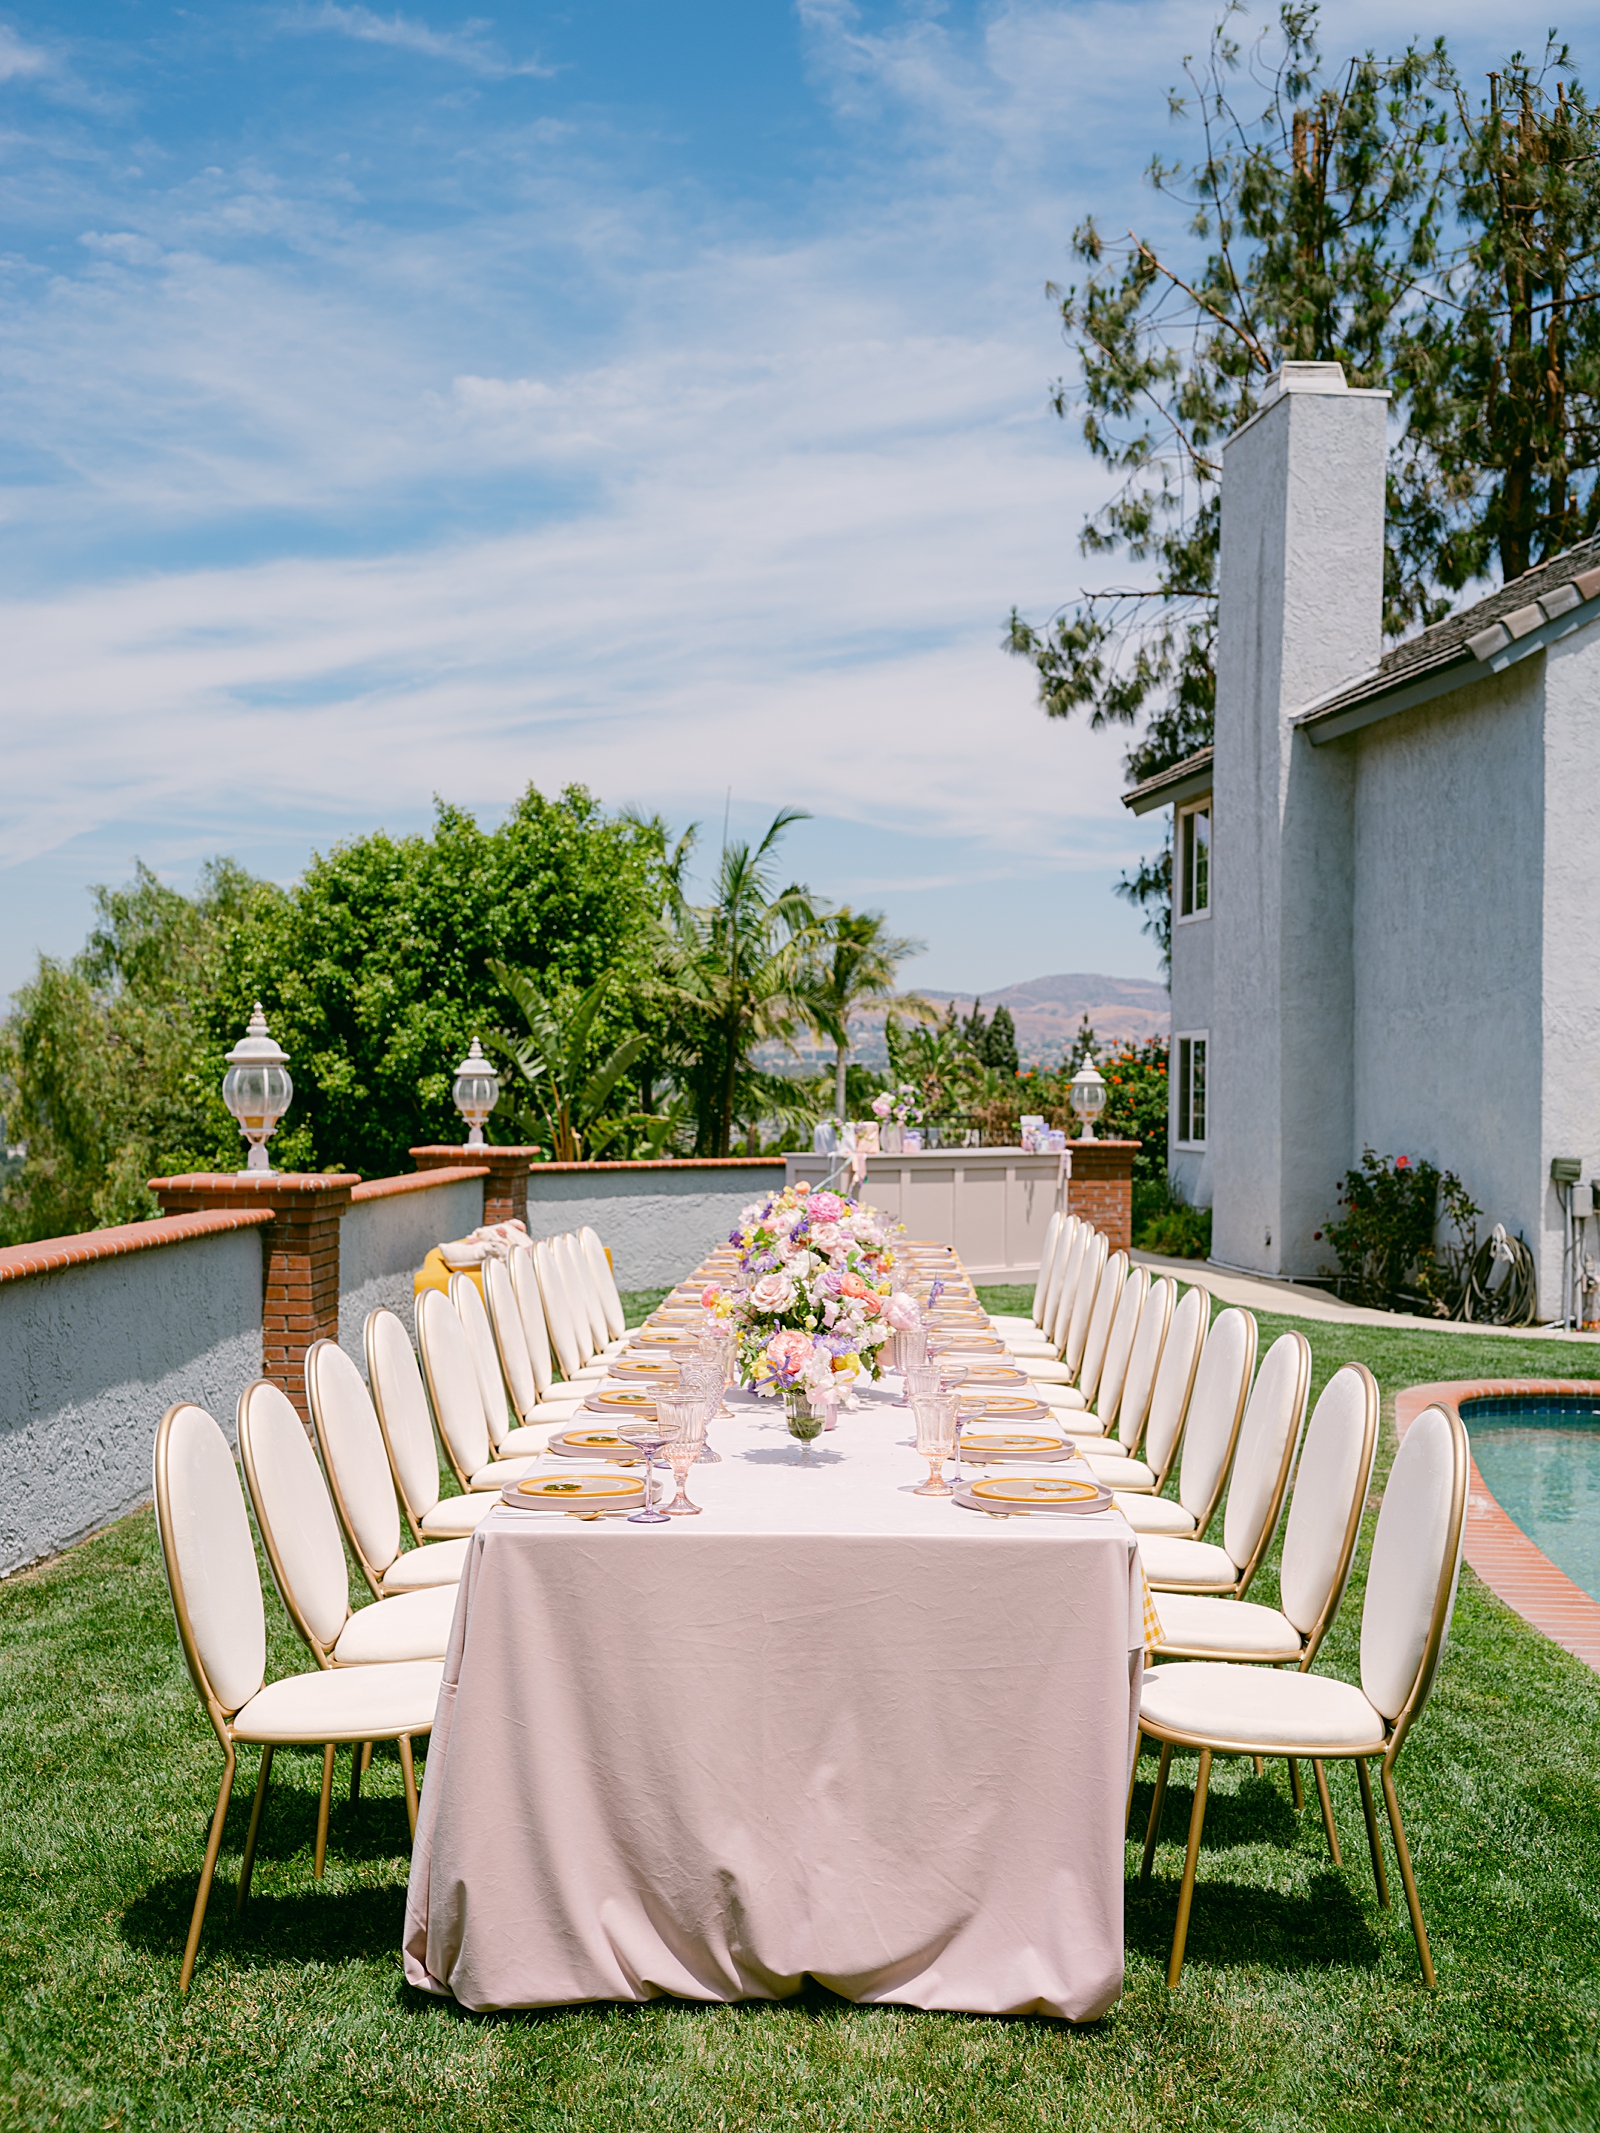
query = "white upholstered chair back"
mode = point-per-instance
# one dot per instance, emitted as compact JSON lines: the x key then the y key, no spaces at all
{"x":1215,"y":1407}
{"x":1090,"y":1268}
{"x":295,"y":1514}
{"x":353,"y":1456}
{"x":605,"y":1281}
{"x":511,"y":1345}
{"x":470,"y":1308}
{"x":1175,"y":1376}
{"x":1416,"y":1561}
{"x":1330,"y":1491}
{"x":1119,"y":1344}
{"x":1074,"y":1252}
{"x":1098,"y":1338}
{"x":1144,"y":1360}
{"x":402,"y":1404}
{"x":530,"y":1310}
{"x":451,"y":1377}
{"x":1269,"y":1435}
{"x":584,"y":1297}
{"x":210,"y":1559}
{"x":557,"y":1316}
{"x":1047,"y":1265}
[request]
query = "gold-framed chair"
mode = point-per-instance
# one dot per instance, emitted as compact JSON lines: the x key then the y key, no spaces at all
{"x":1211,"y":1425}
{"x":406,"y":1423}
{"x":1216,"y":1708}
{"x":210,"y":1562}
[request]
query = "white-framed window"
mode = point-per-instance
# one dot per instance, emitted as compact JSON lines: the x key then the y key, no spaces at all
{"x":1193,"y":858}
{"x":1189,"y":1082}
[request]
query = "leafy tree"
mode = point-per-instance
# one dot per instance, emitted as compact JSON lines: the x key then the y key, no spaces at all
{"x":1000,"y":1041}
{"x":376,"y":970}
{"x":571,"y":1088}
{"x":735,"y":972}
{"x":856,"y":963}
{"x":1364,"y":215}
{"x":104,"y":1061}
{"x":936,"y":1060}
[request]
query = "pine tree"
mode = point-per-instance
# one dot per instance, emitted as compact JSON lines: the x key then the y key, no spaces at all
{"x":1000,"y":1041}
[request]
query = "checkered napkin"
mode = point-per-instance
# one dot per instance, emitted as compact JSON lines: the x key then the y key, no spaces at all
{"x":1152,"y":1621}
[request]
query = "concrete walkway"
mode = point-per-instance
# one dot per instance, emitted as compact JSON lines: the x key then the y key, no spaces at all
{"x":1257,"y":1292}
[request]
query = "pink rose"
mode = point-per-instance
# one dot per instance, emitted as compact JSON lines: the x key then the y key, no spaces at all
{"x":789,"y":1352}
{"x":709,"y":1295}
{"x":903,"y":1314}
{"x":825,"y":1207}
{"x":773,"y":1292}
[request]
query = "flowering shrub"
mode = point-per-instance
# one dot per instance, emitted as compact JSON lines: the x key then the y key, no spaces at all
{"x":812,"y":1301}
{"x":1384,"y":1242}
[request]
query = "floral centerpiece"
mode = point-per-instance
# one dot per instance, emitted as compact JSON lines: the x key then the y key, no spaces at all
{"x":812,"y":1303}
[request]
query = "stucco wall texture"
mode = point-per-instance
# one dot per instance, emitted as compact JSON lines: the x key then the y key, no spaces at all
{"x":90,"y":1359}
{"x":657,"y":1224}
{"x":383,"y":1242}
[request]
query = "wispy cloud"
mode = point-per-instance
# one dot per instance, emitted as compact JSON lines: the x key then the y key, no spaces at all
{"x":18,"y":60}
{"x":466,"y":47}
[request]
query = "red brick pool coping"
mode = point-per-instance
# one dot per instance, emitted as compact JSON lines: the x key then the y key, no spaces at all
{"x":1513,"y":1567}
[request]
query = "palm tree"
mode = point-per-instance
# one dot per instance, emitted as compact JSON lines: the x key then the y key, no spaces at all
{"x":554,"y":1060}
{"x":856,"y":963}
{"x":735,"y":971}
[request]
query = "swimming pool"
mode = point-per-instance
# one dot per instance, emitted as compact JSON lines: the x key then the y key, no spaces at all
{"x":1539,"y":1453}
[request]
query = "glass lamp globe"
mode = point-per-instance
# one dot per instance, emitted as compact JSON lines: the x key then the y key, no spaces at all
{"x":1088,"y":1096}
{"x":476,"y":1091}
{"x":257,"y":1089}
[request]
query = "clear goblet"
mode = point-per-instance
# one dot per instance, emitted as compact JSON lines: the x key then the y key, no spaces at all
{"x":909,"y":1350}
{"x":936,"y":1434}
{"x":705,"y":1376}
{"x":649,"y":1433}
{"x":684,"y":1414}
{"x":952,"y":1376}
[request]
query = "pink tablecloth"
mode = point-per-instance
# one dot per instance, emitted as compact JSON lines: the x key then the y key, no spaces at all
{"x":829,"y":1728}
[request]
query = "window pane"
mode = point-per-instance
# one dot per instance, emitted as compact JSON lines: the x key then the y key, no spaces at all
{"x":1200,"y":847}
{"x":1183,"y":1088}
{"x":1197,"y":1091}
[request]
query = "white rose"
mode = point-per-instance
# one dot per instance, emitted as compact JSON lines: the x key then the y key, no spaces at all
{"x":773,"y":1292}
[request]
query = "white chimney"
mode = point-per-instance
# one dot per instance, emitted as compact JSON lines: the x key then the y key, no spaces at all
{"x":1300,"y":610}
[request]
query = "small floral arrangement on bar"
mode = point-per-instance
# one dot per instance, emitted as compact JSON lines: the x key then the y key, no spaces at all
{"x":812,"y":1302}
{"x":901,"y":1106}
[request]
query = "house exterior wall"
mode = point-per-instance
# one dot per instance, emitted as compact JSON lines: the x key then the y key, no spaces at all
{"x":1300,"y":610}
{"x":1190,"y":1169}
{"x":1570,"y":967}
{"x":1448,"y":918}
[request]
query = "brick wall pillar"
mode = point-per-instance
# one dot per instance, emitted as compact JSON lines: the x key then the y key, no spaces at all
{"x":300,"y":1300}
{"x":505,"y":1189}
{"x":1101,"y":1187}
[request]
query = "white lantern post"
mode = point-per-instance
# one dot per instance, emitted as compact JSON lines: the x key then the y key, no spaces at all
{"x":476,"y":1091}
{"x":1088,"y":1097}
{"x":257,"y":1090}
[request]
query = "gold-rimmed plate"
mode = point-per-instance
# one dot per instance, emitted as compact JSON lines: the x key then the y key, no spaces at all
{"x":982,"y":1445}
{"x":649,"y":1371}
{"x":596,"y":1444}
{"x":1033,"y":1492}
{"x":622,"y":1400}
{"x":1004,"y":1406}
{"x":981,"y":1374}
{"x":581,"y":1493}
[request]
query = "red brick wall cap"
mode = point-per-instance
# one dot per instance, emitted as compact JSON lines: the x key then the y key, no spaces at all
{"x":418,"y":1181}
{"x":683,"y":1162}
{"x":50,"y":1254}
{"x":245,"y":1185}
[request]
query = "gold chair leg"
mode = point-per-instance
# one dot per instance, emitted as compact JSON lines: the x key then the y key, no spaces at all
{"x":1320,"y":1769}
{"x":366,"y":1757}
{"x":1260,"y":1762}
{"x":408,"y":1768}
{"x":1133,"y":1779}
{"x":1156,"y":1805}
{"x":323,"y":1803}
{"x":1407,"y":1877}
{"x":260,"y":1801}
{"x":1297,"y":1792}
{"x":1374,"y":1840}
{"x":1197,"y":1817}
{"x":191,"y":1946}
{"x":356,"y":1767}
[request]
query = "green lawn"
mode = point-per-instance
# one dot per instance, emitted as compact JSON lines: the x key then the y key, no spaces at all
{"x":1300,"y":2005}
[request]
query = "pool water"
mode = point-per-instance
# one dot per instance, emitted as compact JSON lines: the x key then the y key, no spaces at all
{"x":1540,"y":1455}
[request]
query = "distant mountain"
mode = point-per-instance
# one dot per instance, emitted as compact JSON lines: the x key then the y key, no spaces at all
{"x":1047,"y":1012}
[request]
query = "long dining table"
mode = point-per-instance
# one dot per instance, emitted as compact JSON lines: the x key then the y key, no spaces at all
{"x":830,"y":1728}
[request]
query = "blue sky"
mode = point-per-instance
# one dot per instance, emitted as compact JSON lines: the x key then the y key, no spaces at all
{"x":400,"y":403}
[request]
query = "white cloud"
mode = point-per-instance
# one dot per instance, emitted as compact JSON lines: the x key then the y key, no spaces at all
{"x":18,"y":61}
{"x":463,"y":47}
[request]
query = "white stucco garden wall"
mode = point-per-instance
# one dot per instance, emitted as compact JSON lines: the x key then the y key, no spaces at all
{"x":382,"y":1243}
{"x":657,"y":1221}
{"x":91,"y":1357}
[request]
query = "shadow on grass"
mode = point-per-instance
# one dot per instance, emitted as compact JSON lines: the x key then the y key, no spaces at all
{"x":1259,"y":1812}
{"x":1324,"y":1928}
{"x":317,"y":1925}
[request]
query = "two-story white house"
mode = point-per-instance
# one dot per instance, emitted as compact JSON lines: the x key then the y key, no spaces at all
{"x":1386,"y":894}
